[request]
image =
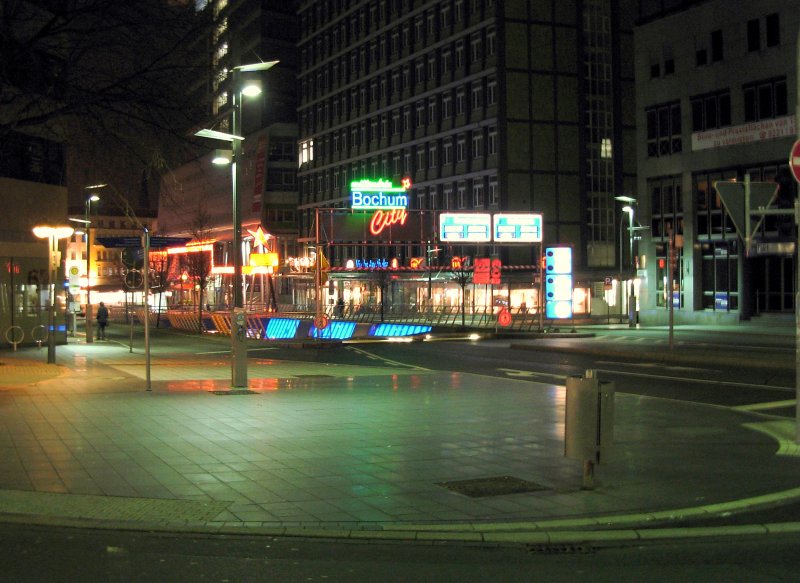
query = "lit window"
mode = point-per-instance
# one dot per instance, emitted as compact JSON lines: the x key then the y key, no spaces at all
{"x":605,"y":148}
{"x":306,"y":152}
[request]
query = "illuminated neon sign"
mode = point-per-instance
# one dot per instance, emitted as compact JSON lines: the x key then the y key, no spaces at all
{"x":386,"y":218}
{"x":378,"y":194}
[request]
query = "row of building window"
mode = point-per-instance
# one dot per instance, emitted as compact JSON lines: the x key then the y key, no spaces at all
{"x":434,"y":66}
{"x":376,"y":14}
{"x":478,"y":193}
{"x":765,"y":99}
{"x":666,"y":203}
{"x":452,"y":149}
{"x":468,"y":98}
{"x":711,"y":48}
{"x":381,"y":52}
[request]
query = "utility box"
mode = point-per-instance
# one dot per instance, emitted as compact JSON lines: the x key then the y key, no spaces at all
{"x":589,"y":419}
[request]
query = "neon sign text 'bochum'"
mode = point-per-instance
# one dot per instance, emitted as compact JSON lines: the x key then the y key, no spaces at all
{"x":378,"y":194}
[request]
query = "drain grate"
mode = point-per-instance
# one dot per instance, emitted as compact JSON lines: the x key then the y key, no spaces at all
{"x":562,"y":549}
{"x":494,"y":486}
{"x":234,"y":392}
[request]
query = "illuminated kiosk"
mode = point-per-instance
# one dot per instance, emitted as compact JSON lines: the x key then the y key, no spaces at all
{"x":384,"y":254}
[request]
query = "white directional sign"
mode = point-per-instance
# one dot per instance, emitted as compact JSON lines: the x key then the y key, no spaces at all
{"x":517,"y":227}
{"x":465,"y":227}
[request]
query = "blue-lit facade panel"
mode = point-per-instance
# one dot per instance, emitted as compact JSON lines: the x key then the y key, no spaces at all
{"x":281,"y":328}
{"x":393,"y":330}
{"x":334,"y":331}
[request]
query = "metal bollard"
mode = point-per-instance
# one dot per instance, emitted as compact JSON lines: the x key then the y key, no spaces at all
{"x":589,"y":422}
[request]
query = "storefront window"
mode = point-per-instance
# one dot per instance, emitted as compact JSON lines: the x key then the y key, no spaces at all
{"x":719,"y":275}
{"x":663,"y":284}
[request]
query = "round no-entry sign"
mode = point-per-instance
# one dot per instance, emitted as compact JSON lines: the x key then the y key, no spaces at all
{"x":504,"y":318}
{"x":794,"y":160}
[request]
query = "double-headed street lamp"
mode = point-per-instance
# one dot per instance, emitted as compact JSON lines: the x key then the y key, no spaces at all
{"x":238,"y":316}
{"x":52,"y":234}
{"x":89,"y":200}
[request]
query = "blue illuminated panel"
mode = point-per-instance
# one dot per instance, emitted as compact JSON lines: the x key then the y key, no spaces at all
{"x":395,"y":330}
{"x":281,"y":328}
{"x":558,"y":282}
{"x":334,"y":331}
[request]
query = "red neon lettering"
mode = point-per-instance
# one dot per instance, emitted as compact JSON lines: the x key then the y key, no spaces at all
{"x":382,"y":219}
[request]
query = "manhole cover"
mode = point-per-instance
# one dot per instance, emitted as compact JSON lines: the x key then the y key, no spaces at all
{"x":495,"y":486}
{"x":234,"y":392}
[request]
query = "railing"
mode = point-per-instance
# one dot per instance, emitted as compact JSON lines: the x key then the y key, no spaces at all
{"x":438,"y":317}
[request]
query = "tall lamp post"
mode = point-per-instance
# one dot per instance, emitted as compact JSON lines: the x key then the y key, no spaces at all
{"x":238,"y":316}
{"x":627,"y":209}
{"x":52,"y":234}
{"x":92,"y":198}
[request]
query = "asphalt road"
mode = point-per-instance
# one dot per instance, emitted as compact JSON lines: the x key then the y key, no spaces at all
{"x":711,"y":383}
{"x":34,"y":554}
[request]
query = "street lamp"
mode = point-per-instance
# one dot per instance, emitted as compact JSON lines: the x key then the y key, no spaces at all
{"x":629,"y":210}
{"x":52,"y":234}
{"x":238,"y":316}
{"x":92,"y":198}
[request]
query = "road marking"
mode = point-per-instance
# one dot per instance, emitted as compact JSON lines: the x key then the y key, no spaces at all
{"x":765,"y":406}
{"x":781,"y":431}
{"x":512,"y":372}
{"x":698,"y":381}
{"x":228,"y":351}
{"x":530,"y":374}
{"x":650,"y":365}
{"x":386,"y":360}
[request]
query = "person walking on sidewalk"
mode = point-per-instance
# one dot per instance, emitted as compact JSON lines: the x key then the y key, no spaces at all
{"x":102,"y":321}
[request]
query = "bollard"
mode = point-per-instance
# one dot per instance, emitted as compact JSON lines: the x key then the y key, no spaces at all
{"x":589,"y":422}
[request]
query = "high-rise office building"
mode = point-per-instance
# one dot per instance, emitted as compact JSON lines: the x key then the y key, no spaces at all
{"x":485,"y":105}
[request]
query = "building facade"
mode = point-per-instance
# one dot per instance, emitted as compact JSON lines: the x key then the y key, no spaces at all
{"x":716,"y":98}
{"x":485,"y":106}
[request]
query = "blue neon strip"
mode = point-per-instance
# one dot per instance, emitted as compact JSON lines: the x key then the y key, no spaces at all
{"x":396,"y":330}
{"x":281,"y":328}
{"x":334,"y":331}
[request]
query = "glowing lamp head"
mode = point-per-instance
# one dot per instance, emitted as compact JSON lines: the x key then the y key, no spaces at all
{"x":45,"y":232}
{"x":222,"y":157}
{"x":251,"y":88}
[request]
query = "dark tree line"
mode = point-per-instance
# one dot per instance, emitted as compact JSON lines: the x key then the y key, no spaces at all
{"x":118,"y":82}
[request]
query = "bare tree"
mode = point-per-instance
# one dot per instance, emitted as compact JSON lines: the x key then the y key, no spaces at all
{"x":462,"y":274}
{"x":106,"y":77}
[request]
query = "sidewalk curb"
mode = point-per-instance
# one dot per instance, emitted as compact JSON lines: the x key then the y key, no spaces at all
{"x":594,"y":530}
{"x":595,"y":538}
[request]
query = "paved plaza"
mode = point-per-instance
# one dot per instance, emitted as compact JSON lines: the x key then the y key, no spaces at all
{"x":371,"y":450}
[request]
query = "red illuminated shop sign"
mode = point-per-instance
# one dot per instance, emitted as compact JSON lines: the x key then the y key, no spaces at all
{"x":382,"y":219}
